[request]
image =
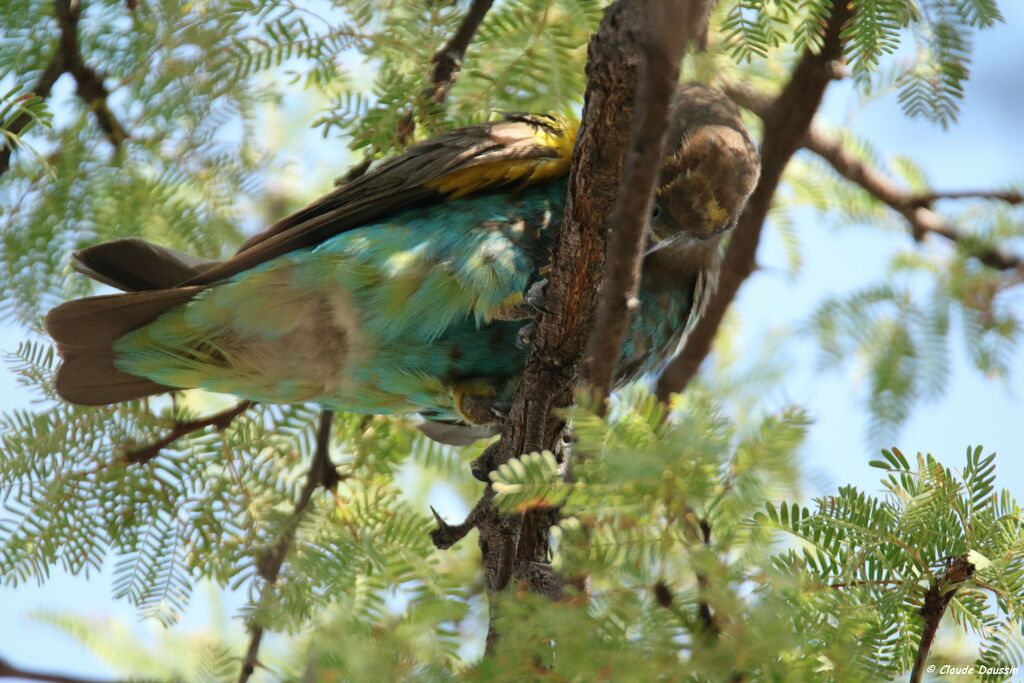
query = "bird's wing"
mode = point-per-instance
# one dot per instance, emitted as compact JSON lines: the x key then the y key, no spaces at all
{"x":519,"y":150}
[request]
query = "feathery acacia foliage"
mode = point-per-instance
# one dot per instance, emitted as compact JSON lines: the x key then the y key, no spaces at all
{"x":665,"y":517}
{"x":671,"y":516}
{"x":933,"y":534}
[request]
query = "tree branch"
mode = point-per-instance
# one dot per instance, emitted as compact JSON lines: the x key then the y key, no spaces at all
{"x":448,"y":60}
{"x":517,"y":546}
{"x":663,"y":50}
{"x":44,"y":85}
{"x":915,"y":208}
{"x":8,"y":670}
{"x":219,"y":420}
{"x":552,"y":368}
{"x":786,"y":122}
{"x":67,"y":58}
{"x":1011,"y":197}
{"x":939,"y":594}
{"x":90,"y":82}
{"x":322,"y":473}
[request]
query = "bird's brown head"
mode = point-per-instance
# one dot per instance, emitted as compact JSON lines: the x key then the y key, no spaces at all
{"x":710,"y":168}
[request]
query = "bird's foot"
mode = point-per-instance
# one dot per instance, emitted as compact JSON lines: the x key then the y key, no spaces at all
{"x":521,"y":306}
{"x":480,"y":408}
{"x":482,"y":467}
{"x":524,"y":338}
{"x":535,"y":296}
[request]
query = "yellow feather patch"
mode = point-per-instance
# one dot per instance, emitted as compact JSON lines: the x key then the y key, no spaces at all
{"x":557,"y":133}
{"x":712,"y":210}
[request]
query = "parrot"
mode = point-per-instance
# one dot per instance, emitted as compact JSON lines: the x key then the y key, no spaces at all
{"x":410,"y":290}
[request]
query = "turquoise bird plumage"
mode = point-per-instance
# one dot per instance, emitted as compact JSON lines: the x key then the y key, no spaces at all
{"x":402,"y":292}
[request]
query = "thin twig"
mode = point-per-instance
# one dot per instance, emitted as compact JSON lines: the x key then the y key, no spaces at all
{"x":322,"y":474}
{"x":219,"y":420}
{"x":786,"y":123}
{"x":448,"y":60}
{"x":671,"y":26}
{"x":67,"y":58}
{"x":914,"y":208}
{"x":1011,"y":197}
{"x":8,"y":670}
{"x":936,"y":600}
{"x":866,"y":582}
{"x":42,"y":89}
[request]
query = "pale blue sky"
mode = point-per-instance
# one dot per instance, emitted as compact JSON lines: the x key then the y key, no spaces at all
{"x":985,"y":149}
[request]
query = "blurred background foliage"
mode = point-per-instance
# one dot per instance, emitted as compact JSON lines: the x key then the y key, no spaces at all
{"x":671,"y":510}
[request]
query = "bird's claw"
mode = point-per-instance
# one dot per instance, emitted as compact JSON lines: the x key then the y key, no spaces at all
{"x":482,"y":466}
{"x":535,"y":296}
{"x":500,"y":410}
{"x":524,"y":338}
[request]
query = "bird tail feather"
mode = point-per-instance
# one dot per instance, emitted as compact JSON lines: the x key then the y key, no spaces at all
{"x":85,"y":331}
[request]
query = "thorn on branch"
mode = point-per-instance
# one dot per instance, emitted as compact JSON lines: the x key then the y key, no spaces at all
{"x":447,"y":535}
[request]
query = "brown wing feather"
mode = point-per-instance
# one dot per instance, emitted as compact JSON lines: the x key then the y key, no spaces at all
{"x":397,"y":184}
{"x":135,"y":265}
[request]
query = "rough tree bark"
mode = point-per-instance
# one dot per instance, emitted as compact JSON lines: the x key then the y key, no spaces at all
{"x":671,"y":26}
{"x":516,"y":546}
{"x":513,"y":544}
